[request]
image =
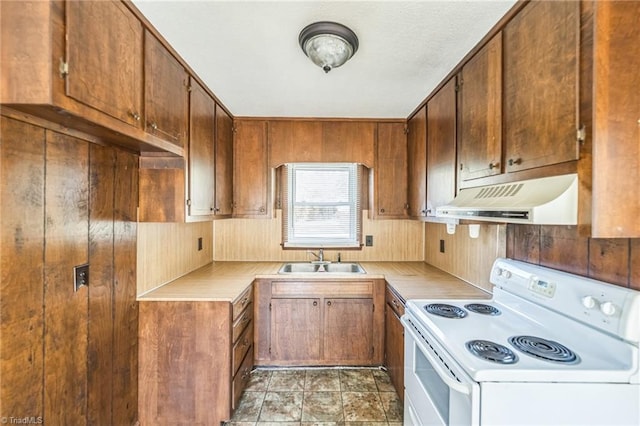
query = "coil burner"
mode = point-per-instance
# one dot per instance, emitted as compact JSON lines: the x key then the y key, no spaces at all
{"x":491,"y":351}
{"x":445,"y":310}
{"x":547,"y":350}
{"x":484,"y":309}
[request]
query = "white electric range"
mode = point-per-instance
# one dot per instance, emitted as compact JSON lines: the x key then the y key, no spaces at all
{"x":549,"y":348}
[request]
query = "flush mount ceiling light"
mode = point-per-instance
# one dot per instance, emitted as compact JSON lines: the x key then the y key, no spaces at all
{"x":328,"y":44}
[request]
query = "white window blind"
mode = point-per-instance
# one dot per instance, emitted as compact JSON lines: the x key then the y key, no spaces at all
{"x":322,"y":207}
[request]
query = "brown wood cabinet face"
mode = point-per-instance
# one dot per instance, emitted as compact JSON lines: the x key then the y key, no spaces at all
{"x":540,"y":85}
{"x":224,"y":163}
{"x":105,"y":60}
{"x":162,"y":189}
{"x":166,"y":93}
{"x":185,"y":363}
{"x":441,"y":147}
{"x":394,"y":350}
{"x":616,"y":126}
{"x":296,"y":325}
{"x":390,"y":179}
{"x":294,"y":142}
{"x":417,"y":164}
{"x":480,"y":112}
{"x":348,"y":141}
{"x":250,"y":171}
{"x":348,"y":330}
{"x":202,"y":126}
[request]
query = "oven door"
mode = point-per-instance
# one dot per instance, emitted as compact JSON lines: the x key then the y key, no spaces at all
{"x":437,"y":391}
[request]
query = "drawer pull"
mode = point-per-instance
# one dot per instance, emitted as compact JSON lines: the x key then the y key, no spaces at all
{"x":244,"y":301}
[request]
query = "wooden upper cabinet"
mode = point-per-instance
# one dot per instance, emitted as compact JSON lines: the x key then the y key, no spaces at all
{"x":202,"y":124}
{"x":480,"y":113}
{"x":224,"y":163}
{"x":294,"y":141}
{"x":441,"y":147}
{"x":348,"y":141}
{"x":417,"y":164}
{"x":616,"y":124}
{"x":166,"y":93}
{"x":390,"y":172}
{"x":105,"y":60}
{"x":251,"y":184}
{"x":540,"y":85}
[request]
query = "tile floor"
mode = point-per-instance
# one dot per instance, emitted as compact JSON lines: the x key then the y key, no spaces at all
{"x":319,"y":397}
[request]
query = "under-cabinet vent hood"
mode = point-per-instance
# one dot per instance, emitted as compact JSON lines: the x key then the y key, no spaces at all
{"x":544,"y":201}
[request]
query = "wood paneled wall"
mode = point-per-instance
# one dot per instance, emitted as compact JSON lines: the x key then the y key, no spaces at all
{"x":167,"y":251}
{"x":259,"y":240}
{"x":467,"y":258}
{"x":614,"y":260}
{"x":68,"y":357}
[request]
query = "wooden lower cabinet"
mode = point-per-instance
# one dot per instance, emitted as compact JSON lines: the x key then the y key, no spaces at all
{"x":195,"y":360}
{"x":394,"y":341}
{"x":319,"y":322}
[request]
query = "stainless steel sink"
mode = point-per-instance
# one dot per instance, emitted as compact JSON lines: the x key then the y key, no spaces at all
{"x":320,"y":268}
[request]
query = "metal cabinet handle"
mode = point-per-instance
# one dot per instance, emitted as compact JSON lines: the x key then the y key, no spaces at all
{"x":244,"y":301}
{"x":134,"y":115}
{"x":493,"y":166}
{"x":329,"y":303}
{"x":262,"y":209}
{"x":381,"y":210}
{"x":513,"y":161}
{"x":315,"y":303}
{"x":154,"y":126}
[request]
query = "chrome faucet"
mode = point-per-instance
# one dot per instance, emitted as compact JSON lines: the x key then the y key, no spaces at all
{"x":319,"y":256}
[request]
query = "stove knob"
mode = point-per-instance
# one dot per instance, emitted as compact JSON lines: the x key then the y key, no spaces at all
{"x":497,"y":271}
{"x":506,"y":274}
{"x":589,"y":302}
{"x":608,"y":308}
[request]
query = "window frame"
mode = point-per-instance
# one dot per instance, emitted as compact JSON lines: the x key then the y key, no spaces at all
{"x":289,"y":239}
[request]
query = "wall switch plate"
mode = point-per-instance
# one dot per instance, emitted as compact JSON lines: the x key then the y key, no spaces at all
{"x":368,"y":241}
{"x":199,"y":243}
{"x":441,"y":246}
{"x":80,"y":276}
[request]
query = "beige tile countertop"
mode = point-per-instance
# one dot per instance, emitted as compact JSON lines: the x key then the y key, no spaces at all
{"x":225,"y":281}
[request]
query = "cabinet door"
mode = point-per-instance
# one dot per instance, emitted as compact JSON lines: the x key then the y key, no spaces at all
{"x":394,"y":344}
{"x":390,"y":182}
{"x":348,"y":330}
{"x":166,"y":88}
{"x":417,"y":164}
{"x":105,"y":60}
{"x":441,"y":147}
{"x":616,"y":124}
{"x":250,"y":171}
{"x":540,"y":85}
{"x":224,"y":163}
{"x":295,"y":329}
{"x":480,"y":109}
{"x":202,"y":123}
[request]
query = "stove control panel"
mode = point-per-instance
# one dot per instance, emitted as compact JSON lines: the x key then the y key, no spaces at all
{"x":544,"y":288}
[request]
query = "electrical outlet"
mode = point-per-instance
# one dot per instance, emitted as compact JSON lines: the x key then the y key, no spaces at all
{"x":441,"y":246}
{"x":368,"y":240}
{"x":199,"y":243}
{"x":80,"y":276}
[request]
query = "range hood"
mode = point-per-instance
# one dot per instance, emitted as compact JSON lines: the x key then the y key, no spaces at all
{"x":544,"y":201}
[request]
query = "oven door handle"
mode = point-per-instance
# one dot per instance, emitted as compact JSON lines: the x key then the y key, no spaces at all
{"x":460,"y":387}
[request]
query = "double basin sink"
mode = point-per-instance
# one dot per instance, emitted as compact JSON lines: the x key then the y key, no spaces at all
{"x":321,"y":267}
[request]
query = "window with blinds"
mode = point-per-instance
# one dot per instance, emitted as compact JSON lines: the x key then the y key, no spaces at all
{"x":322,"y":207}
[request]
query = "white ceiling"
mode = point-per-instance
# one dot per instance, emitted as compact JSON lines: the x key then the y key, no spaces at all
{"x":247,"y":52}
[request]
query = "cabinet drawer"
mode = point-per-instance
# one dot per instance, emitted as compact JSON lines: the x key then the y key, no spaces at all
{"x":315,"y":288}
{"x":241,"y":323}
{"x":241,"y":347}
{"x":395,"y":302}
{"x":242,"y":378}
{"x":242,"y":302}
